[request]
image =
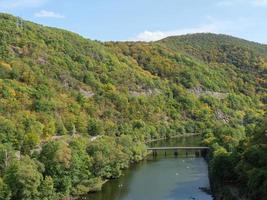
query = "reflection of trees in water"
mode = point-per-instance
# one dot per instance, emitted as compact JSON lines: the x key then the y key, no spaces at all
{"x":117,"y":188}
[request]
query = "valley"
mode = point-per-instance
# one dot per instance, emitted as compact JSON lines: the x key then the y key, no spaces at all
{"x":91,"y":106}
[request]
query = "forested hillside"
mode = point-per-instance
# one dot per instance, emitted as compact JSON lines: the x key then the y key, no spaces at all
{"x":75,"y":112}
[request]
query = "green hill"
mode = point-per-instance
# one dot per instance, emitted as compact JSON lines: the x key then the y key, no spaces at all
{"x":59,"y":92}
{"x":208,"y":45}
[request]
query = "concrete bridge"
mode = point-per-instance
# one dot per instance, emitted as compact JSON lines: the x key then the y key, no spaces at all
{"x":198,"y":151}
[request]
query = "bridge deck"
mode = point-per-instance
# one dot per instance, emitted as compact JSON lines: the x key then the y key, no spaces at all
{"x":178,"y":148}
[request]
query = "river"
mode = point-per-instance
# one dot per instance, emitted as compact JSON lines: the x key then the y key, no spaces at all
{"x":161,"y":178}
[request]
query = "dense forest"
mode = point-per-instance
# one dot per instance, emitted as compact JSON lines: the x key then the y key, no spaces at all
{"x":76,"y":112}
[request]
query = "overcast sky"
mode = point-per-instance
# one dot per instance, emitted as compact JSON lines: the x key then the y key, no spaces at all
{"x":146,"y":20}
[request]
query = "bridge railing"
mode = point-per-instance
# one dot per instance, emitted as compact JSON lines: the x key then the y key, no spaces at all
{"x":198,"y":151}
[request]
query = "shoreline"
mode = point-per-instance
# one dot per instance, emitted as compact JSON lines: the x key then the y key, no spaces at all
{"x":147,"y":154}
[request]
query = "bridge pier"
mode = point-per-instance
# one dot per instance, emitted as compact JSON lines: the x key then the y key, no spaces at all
{"x":204,"y":153}
{"x":175,"y":152}
{"x":155,"y":153}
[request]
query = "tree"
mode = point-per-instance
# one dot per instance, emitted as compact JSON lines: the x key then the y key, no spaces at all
{"x":46,"y":189}
{"x":108,"y":157}
{"x":56,"y":156}
{"x":7,"y":131}
{"x":7,"y":155}
{"x":60,"y":127}
{"x":24,"y":179}
{"x":94,"y":127}
{"x":5,"y":193}
{"x":81,"y":167}
{"x":49,"y":127}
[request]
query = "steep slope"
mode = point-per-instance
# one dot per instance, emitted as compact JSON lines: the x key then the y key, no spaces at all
{"x":57,"y":90}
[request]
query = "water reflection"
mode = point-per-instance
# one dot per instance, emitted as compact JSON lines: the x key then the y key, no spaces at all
{"x":161,"y":178}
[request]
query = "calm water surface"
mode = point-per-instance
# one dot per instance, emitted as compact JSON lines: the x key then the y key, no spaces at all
{"x":161,"y":178}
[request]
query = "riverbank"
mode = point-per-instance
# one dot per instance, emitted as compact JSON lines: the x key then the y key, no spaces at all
{"x":141,"y":179}
{"x":172,"y":137}
{"x":229,"y":192}
{"x":147,"y":153}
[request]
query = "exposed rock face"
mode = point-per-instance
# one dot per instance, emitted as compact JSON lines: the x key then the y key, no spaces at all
{"x":67,"y":81}
{"x":87,"y":93}
{"x":144,"y":92}
{"x":42,"y":61}
{"x":221,"y":116}
{"x":199,"y":91}
{"x":16,"y":50}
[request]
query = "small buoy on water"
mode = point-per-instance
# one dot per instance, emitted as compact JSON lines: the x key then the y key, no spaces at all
{"x":177,"y":174}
